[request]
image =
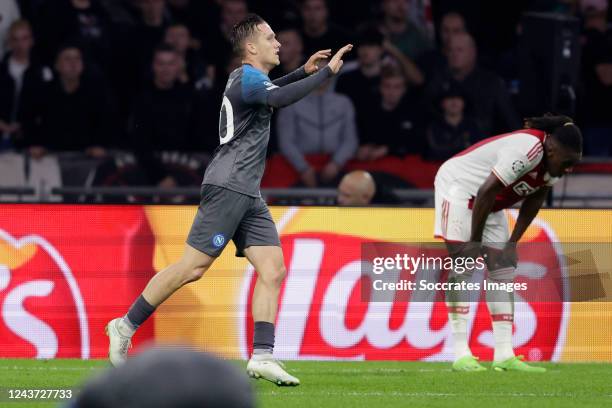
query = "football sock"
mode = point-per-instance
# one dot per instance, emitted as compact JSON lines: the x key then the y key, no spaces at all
{"x":502,"y":333}
{"x":263,"y":338}
{"x":501,"y":309}
{"x":139,"y":312}
{"x":458,"y":306}
{"x":458,"y":316}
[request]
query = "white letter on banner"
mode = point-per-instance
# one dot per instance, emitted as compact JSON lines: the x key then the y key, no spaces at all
{"x":300,"y":283}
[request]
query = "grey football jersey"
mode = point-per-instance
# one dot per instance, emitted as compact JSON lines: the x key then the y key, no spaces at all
{"x":244,"y":130}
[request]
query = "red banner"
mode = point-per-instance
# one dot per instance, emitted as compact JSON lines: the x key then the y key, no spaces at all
{"x":65,"y":271}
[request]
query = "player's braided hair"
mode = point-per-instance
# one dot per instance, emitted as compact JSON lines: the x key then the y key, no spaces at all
{"x":561,"y":127}
{"x":243,"y":30}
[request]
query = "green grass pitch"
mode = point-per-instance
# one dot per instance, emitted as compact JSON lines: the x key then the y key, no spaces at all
{"x":366,"y":384}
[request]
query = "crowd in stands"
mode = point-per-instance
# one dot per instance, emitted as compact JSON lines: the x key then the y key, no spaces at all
{"x":427,"y":78}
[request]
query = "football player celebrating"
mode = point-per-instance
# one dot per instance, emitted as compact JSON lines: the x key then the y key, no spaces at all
{"x":231,"y":205}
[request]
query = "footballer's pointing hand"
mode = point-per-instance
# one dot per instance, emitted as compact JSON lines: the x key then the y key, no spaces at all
{"x":336,"y":62}
{"x":312,"y":65}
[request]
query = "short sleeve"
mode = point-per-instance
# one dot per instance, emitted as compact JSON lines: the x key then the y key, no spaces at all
{"x":512,"y":165}
{"x":256,"y":86}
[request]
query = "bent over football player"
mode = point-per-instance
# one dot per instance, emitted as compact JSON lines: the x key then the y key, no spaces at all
{"x":231,"y":205}
{"x":471,"y":191}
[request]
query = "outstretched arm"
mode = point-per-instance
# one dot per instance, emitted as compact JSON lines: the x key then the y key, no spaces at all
{"x":302,"y":72}
{"x":279,"y":97}
{"x":258,"y":89}
{"x":288,"y":94}
{"x":291,"y":77}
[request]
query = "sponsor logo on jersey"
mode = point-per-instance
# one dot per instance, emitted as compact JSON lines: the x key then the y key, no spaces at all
{"x":523,"y":189}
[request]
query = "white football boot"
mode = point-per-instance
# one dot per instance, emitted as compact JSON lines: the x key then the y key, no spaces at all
{"x":267,"y":367}
{"x":118,"y":343}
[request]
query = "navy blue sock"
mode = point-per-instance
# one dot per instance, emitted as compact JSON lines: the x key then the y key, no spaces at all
{"x":139,"y":312}
{"x":263,"y":338}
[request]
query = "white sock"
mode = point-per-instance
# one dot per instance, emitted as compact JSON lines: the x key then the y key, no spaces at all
{"x":502,"y":333}
{"x":125,"y":328}
{"x":459,"y":323}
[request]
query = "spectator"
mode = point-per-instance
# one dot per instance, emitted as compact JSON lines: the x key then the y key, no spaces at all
{"x":193,"y":68}
{"x":122,"y":12}
{"x":81,"y":22}
{"x":434,"y":61}
{"x":150,"y":30}
{"x":363,"y":84}
{"x":134,"y":47}
{"x":22,"y":80}
{"x":9,"y":13}
{"x":74,"y":112}
{"x":356,"y":188}
{"x":396,"y":124}
{"x":597,"y":75}
{"x":194,"y":14}
{"x":291,"y":53}
{"x":322,"y":122}
{"x":168,"y":378}
{"x":452,"y":132}
{"x":217,"y":46}
{"x":402,"y":33}
{"x":484,"y":91}
{"x":162,"y":116}
{"x":317,"y":32}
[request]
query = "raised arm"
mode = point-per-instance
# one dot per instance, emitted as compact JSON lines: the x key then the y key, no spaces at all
{"x":291,"y":77}
{"x":258,"y":89}
{"x":288,"y":94}
{"x":311,"y":66}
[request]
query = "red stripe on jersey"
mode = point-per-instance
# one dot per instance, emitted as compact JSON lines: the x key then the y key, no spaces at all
{"x":535,"y":153}
{"x":502,"y":317}
{"x":535,"y":150}
{"x":534,"y":132}
{"x":535,"y":147}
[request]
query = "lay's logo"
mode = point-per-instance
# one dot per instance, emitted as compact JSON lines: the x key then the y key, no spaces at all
{"x":42,"y":312}
{"x":322,"y":314}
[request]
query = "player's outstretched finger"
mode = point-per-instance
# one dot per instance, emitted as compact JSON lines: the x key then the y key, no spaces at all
{"x":345,"y":49}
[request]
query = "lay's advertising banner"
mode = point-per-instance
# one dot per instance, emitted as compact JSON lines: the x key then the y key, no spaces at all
{"x":66,"y":270}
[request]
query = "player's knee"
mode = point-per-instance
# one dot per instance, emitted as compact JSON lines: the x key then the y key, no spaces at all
{"x":276,"y":276}
{"x":191,"y":273}
{"x":279,"y":275}
{"x":196,"y":273}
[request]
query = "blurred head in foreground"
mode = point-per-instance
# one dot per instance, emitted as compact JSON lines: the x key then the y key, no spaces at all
{"x":356,"y":188}
{"x":169,"y":378}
